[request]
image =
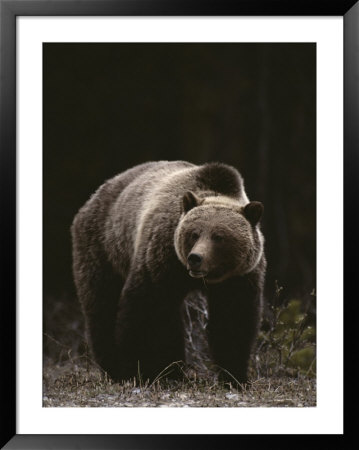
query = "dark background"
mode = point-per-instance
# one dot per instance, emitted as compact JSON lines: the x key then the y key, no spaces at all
{"x":108,"y":107}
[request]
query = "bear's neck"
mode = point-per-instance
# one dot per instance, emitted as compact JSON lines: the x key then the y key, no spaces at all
{"x":224,"y":200}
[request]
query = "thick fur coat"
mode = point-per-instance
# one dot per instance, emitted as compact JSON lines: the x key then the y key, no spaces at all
{"x":147,"y":238}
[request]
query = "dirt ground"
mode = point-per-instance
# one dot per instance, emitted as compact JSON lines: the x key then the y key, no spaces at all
{"x":74,"y":385}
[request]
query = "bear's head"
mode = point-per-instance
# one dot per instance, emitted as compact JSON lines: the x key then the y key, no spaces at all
{"x":217,"y":238}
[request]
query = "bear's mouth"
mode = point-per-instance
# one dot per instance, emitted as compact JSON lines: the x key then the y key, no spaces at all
{"x":197,"y":274}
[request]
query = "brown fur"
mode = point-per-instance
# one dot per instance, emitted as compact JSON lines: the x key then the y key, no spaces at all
{"x":131,"y":242}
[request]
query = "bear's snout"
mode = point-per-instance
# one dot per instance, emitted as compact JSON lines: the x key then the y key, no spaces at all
{"x":194,"y":261}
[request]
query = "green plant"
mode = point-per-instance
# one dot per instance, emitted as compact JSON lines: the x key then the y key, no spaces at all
{"x":287,"y":341}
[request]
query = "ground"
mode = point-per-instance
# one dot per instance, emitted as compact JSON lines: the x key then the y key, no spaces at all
{"x":73,"y":385}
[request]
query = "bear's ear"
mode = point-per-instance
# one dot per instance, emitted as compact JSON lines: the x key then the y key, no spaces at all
{"x":189,"y":201}
{"x":253,"y":212}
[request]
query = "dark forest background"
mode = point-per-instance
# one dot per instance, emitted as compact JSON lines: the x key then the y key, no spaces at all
{"x":108,"y":107}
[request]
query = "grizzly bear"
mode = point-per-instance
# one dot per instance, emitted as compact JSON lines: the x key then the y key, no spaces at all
{"x":147,"y":238}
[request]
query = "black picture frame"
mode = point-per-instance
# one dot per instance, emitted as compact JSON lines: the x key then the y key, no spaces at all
{"x":9,"y":10}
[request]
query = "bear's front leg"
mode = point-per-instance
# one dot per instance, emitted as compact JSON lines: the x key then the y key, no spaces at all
{"x":234,"y":312}
{"x":149,"y":332}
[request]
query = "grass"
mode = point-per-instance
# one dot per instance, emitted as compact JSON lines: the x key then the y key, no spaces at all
{"x":71,"y":385}
{"x":282,"y":369}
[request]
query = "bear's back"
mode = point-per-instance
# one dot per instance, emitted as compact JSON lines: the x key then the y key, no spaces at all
{"x":120,"y":217}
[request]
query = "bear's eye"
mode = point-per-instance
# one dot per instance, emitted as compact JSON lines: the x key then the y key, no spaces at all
{"x":195,"y":235}
{"x":217,"y":237}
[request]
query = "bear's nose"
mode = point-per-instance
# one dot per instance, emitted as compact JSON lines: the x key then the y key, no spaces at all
{"x":194,"y":260}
